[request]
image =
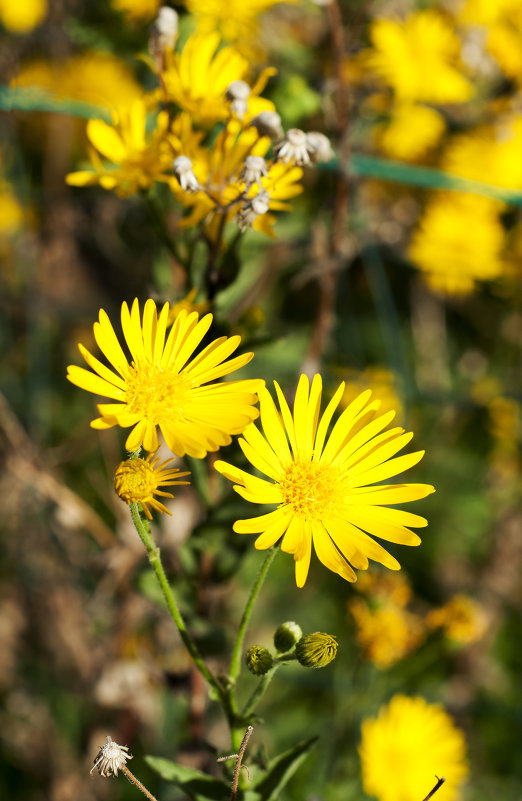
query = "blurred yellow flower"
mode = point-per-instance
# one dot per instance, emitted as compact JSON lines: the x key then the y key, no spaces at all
{"x":406,"y":746}
{"x":138,"y":158}
{"x":187,"y":304}
{"x":162,"y":387}
{"x":140,"y":480}
{"x":218,"y":169}
{"x":411,"y":131}
{"x":384,"y":586}
{"x":93,"y":77}
{"x":11,"y":211}
{"x":490,"y":153}
{"x":197,"y":79}
{"x":387,"y":632}
{"x":458,"y":242}
{"x":484,"y":12}
{"x":462,"y":618}
{"x":137,"y":10}
{"x":418,"y":58}
{"x":326,"y":488}
{"x":504,"y":42}
{"x":235,"y":20}
{"x":383,"y":384}
{"x":22,"y":16}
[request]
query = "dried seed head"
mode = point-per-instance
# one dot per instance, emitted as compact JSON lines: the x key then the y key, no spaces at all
{"x":319,"y":147}
{"x":253,"y":169}
{"x":164,"y":32}
{"x":293,"y":148}
{"x":185,"y":174}
{"x":268,"y":123}
{"x":252,"y":209}
{"x":110,"y":758}
{"x":237,"y":95}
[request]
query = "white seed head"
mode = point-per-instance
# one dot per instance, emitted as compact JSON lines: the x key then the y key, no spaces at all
{"x":253,"y":169}
{"x":252,"y":209}
{"x":319,"y":147}
{"x":164,"y":31}
{"x":110,"y":758}
{"x":185,"y":174}
{"x":237,"y":95}
{"x":268,"y":123}
{"x":293,"y":148}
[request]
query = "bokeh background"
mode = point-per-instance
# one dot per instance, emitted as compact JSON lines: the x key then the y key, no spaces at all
{"x":390,"y":272}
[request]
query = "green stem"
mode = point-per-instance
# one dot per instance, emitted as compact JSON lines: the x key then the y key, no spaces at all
{"x":153,"y":553}
{"x":258,"y":693}
{"x":235,"y":662}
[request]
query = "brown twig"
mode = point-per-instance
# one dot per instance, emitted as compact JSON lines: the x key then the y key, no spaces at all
{"x":238,"y":757}
{"x":440,"y":782}
{"x":132,"y":778}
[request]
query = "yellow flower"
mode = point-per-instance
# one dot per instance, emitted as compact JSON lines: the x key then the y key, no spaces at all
{"x":197,"y":79}
{"x":236,"y":20}
{"x":23,"y":16}
{"x":484,"y":12}
{"x":383,"y":384}
{"x":386,"y":633}
{"x":406,"y":746}
{"x":505,"y":45}
{"x":11,"y":211}
{"x":140,"y":160}
{"x":161,"y":387}
{"x":187,"y":304}
{"x":137,"y":10}
{"x":385,"y":587}
{"x":489,"y":151}
{"x":218,"y":169}
{"x":418,"y":58}
{"x":92,"y":77}
{"x":322,"y":485}
{"x":412,"y":130}
{"x":462,"y":619}
{"x":458,"y":242}
{"x":139,"y":480}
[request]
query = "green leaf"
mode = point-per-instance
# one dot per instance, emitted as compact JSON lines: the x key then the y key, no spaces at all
{"x":281,"y":769}
{"x":195,"y":784}
{"x":33,"y":98}
{"x":429,"y":177}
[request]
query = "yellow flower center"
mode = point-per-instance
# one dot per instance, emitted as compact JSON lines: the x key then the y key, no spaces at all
{"x":135,"y":481}
{"x":154,"y":393}
{"x":310,"y":488}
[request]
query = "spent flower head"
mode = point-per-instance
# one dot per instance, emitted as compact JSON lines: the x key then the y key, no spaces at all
{"x":139,"y":480}
{"x":327,"y":490}
{"x":110,"y":758}
{"x":293,"y":147}
{"x":161,"y":385}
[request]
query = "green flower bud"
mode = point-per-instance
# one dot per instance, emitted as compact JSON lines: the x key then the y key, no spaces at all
{"x":316,"y":650}
{"x":258,"y":660}
{"x":286,"y":635}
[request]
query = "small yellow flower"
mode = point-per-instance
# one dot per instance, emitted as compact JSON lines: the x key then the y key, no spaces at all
{"x":458,"y":242}
{"x":137,"y":10}
{"x":197,"y":79}
{"x":187,"y":304}
{"x":385,"y":587}
{"x":316,"y":650}
{"x":462,"y":618}
{"x":386,"y":633}
{"x":383,"y":384}
{"x":139,"y":159}
{"x":492,"y":151}
{"x":22,"y":17}
{"x":162,"y":386}
{"x":418,"y":58}
{"x":411,"y":131}
{"x":139,"y":480}
{"x":406,"y":746}
{"x":325,"y":488}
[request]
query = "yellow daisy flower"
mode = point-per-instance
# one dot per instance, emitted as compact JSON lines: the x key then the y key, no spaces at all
{"x":407,"y":746}
{"x":418,"y":58}
{"x":139,"y":480}
{"x":139,"y":159}
{"x":22,"y":17}
{"x":321,"y":484}
{"x":386,"y":633}
{"x":462,"y":618}
{"x":161,"y":387}
{"x":197,"y":79}
{"x":411,"y":131}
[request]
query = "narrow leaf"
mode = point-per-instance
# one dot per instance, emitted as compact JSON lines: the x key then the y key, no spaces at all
{"x":33,"y":98}
{"x":197,"y":785}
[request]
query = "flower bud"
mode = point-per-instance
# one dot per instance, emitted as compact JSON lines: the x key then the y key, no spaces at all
{"x":258,"y":660}
{"x":316,"y":650}
{"x":286,"y":635}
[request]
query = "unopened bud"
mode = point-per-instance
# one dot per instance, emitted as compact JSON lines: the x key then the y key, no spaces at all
{"x":237,"y":95}
{"x":316,"y":650}
{"x":258,"y":660}
{"x":268,"y":123}
{"x":185,"y":174}
{"x":286,"y":635}
{"x":319,"y":147}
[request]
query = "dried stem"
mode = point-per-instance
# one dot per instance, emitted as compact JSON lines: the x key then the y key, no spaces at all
{"x":132,"y":778}
{"x":440,"y":782}
{"x":238,"y":757}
